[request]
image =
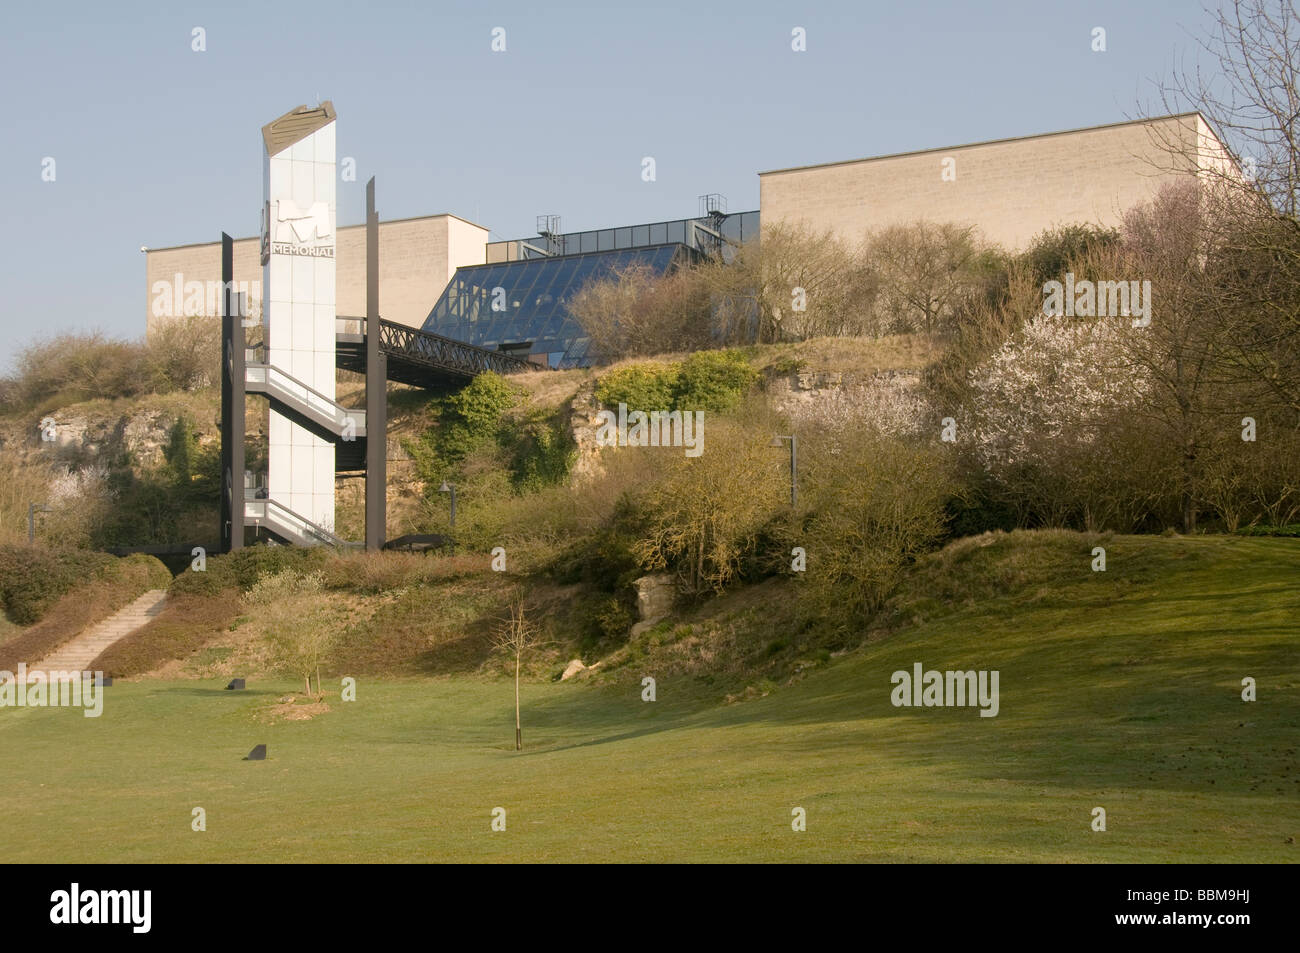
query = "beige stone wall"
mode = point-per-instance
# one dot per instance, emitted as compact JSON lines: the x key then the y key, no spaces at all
{"x":1010,"y":190}
{"x":417,"y":257}
{"x":202,"y":263}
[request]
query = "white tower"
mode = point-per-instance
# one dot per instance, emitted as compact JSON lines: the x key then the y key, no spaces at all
{"x":298,"y":242}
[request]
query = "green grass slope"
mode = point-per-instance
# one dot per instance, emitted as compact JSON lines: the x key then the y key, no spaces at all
{"x":1119,"y":689}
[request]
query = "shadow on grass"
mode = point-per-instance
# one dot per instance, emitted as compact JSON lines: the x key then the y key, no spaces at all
{"x":223,"y":692}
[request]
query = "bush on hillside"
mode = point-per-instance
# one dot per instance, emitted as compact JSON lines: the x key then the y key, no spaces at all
{"x":707,"y":380}
{"x":877,"y":505}
{"x":33,"y":578}
{"x":244,"y":568}
{"x":471,"y":416}
{"x":713,"y":380}
{"x":697,"y":524}
{"x":649,"y":385}
{"x":486,"y":441}
{"x":184,"y":353}
{"x":541,"y":449}
{"x":71,"y":368}
{"x":1055,"y":251}
{"x":634,"y":311}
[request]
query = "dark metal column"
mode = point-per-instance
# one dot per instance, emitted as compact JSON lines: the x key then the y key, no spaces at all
{"x":376,"y":389}
{"x":232,"y":406}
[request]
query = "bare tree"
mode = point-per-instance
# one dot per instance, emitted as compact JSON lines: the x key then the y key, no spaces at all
{"x":810,"y":284}
{"x":1179,"y":348}
{"x":515,"y":636}
{"x":300,"y":620}
{"x":1249,"y":94}
{"x":1252,"y":99}
{"x":928,"y":271}
{"x":635,"y":311}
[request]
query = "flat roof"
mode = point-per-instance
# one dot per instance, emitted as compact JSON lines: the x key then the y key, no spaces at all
{"x":388,"y":221}
{"x":987,"y":142}
{"x":616,"y":228}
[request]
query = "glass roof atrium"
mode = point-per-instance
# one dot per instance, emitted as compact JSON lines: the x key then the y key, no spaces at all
{"x":531,"y":280}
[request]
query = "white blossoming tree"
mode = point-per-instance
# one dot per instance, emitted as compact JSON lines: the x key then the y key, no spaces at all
{"x":1055,"y":419}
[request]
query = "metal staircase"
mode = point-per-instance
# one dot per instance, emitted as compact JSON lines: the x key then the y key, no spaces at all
{"x":320,"y":415}
{"x":312,"y":411}
{"x":310,"y":408}
{"x":288,"y":526}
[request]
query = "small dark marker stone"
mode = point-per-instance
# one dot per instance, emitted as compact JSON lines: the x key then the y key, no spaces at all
{"x":257,"y":754}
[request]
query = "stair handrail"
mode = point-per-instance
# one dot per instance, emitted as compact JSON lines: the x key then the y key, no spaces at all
{"x":332,"y":405}
{"x":308,"y":527}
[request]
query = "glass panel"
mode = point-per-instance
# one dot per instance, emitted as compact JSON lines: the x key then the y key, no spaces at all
{"x":658,"y":233}
{"x":622,"y":238}
{"x":641,"y":235}
{"x":536,"y":291}
{"x":677,"y":231}
{"x":605,"y":240}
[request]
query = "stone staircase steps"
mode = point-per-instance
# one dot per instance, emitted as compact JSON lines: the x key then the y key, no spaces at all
{"x":77,"y":654}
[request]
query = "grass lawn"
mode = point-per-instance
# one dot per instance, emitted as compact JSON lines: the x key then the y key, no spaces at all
{"x":1126,"y":697}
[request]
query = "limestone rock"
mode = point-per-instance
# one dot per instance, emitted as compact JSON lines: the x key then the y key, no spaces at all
{"x":654,"y":596}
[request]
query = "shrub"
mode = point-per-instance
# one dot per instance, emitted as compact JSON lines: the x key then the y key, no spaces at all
{"x":72,"y":368}
{"x":472,"y":415}
{"x":605,"y":557}
{"x":33,"y":578}
{"x":707,"y":380}
{"x":633,"y":310}
{"x":184,"y":353}
{"x":542,"y":449}
{"x":1056,"y":251}
{"x":244,"y":568}
{"x":713,"y":380}
{"x":1053,"y":412}
{"x":95,"y":596}
{"x":696,"y":522}
{"x":299,"y":620}
{"x":650,"y":385}
{"x":463,"y":424}
{"x":878,"y":504}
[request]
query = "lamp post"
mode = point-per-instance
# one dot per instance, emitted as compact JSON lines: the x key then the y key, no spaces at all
{"x":32,"y":510}
{"x":794,"y":464}
{"x":450,"y":488}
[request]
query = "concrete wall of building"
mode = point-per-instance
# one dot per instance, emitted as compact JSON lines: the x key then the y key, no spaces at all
{"x":466,"y":245}
{"x":169,"y":270}
{"x":1010,"y":190}
{"x":417,"y":257}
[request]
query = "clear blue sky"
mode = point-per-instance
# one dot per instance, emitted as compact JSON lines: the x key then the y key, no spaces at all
{"x":158,"y":145}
